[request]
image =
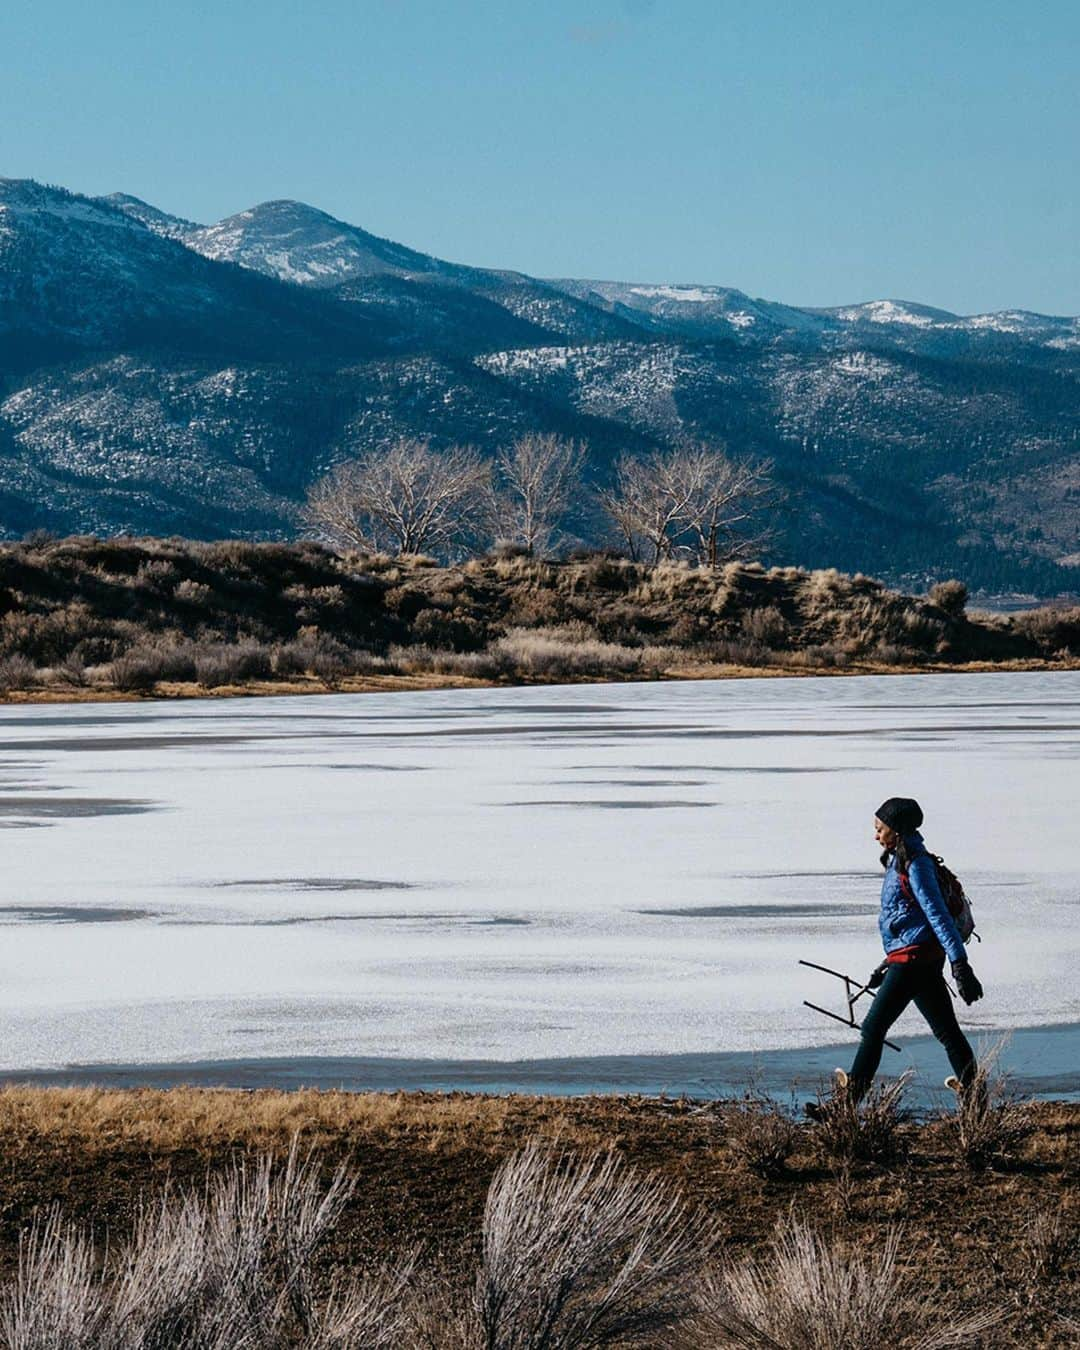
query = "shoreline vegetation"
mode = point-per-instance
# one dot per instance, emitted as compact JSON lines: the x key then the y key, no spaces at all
{"x":430,"y":1203}
{"x":87,"y":619}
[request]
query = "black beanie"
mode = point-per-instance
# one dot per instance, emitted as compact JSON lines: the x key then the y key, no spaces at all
{"x":902,"y":814}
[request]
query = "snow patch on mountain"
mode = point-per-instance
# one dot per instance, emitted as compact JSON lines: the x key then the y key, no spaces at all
{"x":24,"y":201}
{"x":888,"y":311}
{"x":297,"y":243}
{"x":623,"y":381}
{"x":694,"y":295}
{"x":160,"y":222}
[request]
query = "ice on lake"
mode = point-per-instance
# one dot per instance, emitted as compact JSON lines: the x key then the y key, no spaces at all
{"x":515,"y":874}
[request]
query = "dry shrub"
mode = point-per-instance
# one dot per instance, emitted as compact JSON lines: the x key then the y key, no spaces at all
{"x":578,"y":1251}
{"x":329,"y":667}
{"x":52,"y":1302}
{"x":869,"y":1130}
{"x":766,"y":625}
{"x":922,"y":631}
{"x":829,"y":655}
{"x":736,"y":653}
{"x":760,"y":1136}
{"x":890,"y":654}
{"x":492,"y":665}
{"x":232,"y":1267}
{"x":453,"y":631}
{"x":17,"y":672}
{"x":584,"y":1251}
{"x":605,"y":573}
{"x":950,"y":596}
{"x":808,"y":1293}
{"x":1050,"y":628}
{"x":375,"y":1312}
{"x":221,"y":663}
{"x":989,"y":1124}
{"x":552,"y":653}
{"x":133,"y":673}
{"x":195,"y":593}
{"x":71,"y":671}
{"x":155,"y":574}
{"x":228,"y":1269}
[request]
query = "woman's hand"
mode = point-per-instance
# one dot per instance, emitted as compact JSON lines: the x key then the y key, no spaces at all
{"x":969,"y":987}
{"x":878,"y":977}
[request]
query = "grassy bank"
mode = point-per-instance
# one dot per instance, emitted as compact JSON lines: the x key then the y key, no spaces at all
{"x":1004,"y":1237}
{"x":86,"y":618}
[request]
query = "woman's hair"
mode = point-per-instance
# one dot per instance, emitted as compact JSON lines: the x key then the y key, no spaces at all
{"x":902,"y":854}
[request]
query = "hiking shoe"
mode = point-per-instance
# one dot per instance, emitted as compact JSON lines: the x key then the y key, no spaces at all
{"x":819,"y":1110}
{"x":973,"y":1094}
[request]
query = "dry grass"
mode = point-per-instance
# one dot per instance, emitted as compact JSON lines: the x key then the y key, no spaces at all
{"x":760,"y":1136}
{"x":869,"y":1130}
{"x":1051,"y":1244}
{"x":989,"y":1124}
{"x":809,"y":1293}
{"x":206,"y":1118}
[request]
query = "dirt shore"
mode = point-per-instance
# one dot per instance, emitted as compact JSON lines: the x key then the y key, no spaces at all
{"x":169,"y":691}
{"x":423,"y":1162}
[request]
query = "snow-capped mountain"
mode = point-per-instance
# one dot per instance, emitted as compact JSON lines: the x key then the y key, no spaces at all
{"x":158,"y":375}
{"x":702,"y":311}
{"x":297,"y":243}
{"x":80,"y":273}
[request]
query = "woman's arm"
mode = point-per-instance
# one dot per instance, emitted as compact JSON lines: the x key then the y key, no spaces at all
{"x":922,"y":874}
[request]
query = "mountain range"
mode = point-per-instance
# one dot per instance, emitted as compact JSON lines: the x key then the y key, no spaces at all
{"x":166,"y":377}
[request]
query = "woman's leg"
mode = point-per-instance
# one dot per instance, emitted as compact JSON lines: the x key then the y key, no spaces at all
{"x":893,"y":996}
{"x":933,"y":1000}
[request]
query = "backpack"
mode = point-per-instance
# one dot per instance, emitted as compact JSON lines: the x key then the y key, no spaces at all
{"x":952,"y":891}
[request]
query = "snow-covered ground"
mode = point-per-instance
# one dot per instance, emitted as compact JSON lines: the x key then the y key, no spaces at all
{"x":518,"y":873}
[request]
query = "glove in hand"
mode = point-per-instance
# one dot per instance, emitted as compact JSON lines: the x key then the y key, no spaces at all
{"x":969,"y":988}
{"x":877,"y":979}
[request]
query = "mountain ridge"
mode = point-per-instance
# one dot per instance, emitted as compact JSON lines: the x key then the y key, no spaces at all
{"x":158,"y":376}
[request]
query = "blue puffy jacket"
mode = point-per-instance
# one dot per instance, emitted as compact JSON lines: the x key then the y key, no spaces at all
{"x":904,"y":924}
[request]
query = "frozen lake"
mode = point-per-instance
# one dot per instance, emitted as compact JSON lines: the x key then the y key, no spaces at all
{"x":332,"y":889}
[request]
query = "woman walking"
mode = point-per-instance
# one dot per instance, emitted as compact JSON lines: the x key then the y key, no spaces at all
{"x":918,"y":933}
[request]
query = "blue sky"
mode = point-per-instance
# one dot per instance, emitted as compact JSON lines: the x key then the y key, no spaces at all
{"x":818,"y":153}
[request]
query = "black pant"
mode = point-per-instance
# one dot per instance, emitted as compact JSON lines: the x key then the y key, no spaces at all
{"x":923,"y":983}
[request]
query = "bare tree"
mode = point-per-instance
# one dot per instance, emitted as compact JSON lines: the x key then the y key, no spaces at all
{"x":408,"y":499}
{"x":537,"y":476}
{"x":724,"y":501}
{"x":646,"y":504}
{"x":691,"y":500}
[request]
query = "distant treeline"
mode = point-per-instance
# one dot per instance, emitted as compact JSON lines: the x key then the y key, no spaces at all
{"x":133,"y":614}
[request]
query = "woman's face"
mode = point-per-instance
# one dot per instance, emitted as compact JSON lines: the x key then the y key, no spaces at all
{"x":885,"y":836}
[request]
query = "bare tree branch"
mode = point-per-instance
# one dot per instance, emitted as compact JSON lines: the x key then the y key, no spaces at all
{"x":692,"y":500}
{"x":646,"y":504}
{"x":408,"y":499}
{"x":725,"y":501}
{"x":537,"y":477}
